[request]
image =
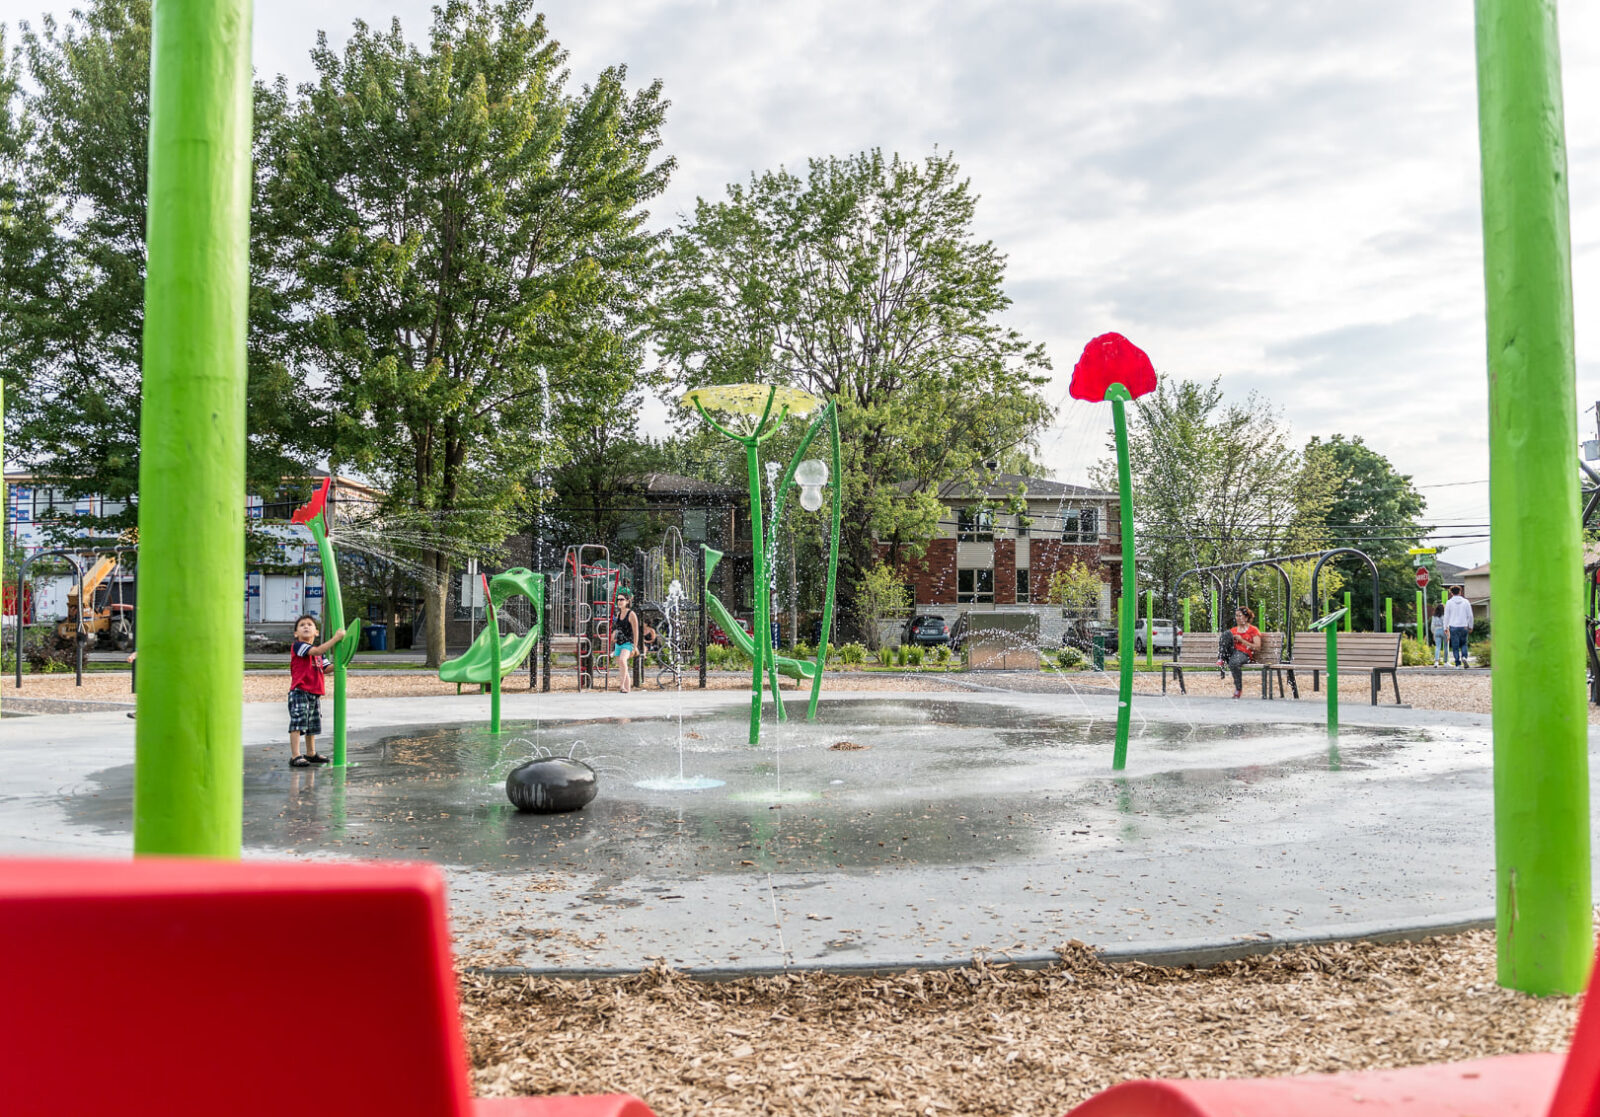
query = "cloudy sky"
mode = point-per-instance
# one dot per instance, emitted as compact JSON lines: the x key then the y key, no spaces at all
{"x":1282,"y":194}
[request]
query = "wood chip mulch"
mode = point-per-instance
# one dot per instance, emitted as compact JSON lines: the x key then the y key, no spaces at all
{"x":995,"y":1040}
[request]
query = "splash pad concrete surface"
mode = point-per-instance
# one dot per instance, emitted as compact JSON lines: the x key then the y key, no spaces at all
{"x":917,"y":829}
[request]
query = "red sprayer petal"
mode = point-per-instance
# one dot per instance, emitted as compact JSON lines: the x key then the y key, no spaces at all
{"x":314,"y":507}
{"x":1111,"y":359}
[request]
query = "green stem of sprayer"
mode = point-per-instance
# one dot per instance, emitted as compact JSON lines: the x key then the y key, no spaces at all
{"x":1119,"y":397}
{"x":1332,"y":635}
{"x":333,"y":621}
{"x":188,"y":768}
{"x":1541,"y":776}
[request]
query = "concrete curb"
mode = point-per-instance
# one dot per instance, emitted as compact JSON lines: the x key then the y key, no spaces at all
{"x":1198,"y":954}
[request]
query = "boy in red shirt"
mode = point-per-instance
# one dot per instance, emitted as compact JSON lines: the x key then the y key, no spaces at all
{"x":306,"y":669}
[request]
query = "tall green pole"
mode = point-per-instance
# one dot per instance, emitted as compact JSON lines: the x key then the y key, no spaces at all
{"x":1388,"y":614}
{"x":188,"y":762}
{"x":1119,"y":397}
{"x":494,"y":669}
{"x":1422,"y":620}
{"x":1540,"y":733}
{"x":1216,"y":620}
{"x":1332,"y":636}
{"x":1348,"y":617}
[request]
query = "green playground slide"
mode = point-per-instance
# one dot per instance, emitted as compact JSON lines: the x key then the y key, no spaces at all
{"x":789,"y":668}
{"x":476,"y":664}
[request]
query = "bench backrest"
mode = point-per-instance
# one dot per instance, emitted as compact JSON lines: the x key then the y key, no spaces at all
{"x":185,"y":987}
{"x":1201,"y":647}
{"x":1357,"y":650}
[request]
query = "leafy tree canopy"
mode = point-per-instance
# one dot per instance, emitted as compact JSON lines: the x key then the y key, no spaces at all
{"x":861,"y":282}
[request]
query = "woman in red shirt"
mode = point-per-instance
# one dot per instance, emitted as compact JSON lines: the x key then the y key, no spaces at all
{"x":1246,"y":645}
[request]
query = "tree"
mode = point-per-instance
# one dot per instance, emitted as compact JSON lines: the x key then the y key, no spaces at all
{"x":28,"y":245}
{"x":1216,"y":483}
{"x":883,"y":596}
{"x":470,"y":247}
{"x":1376,"y":509}
{"x":75,"y":420}
{"x":861,"y":282}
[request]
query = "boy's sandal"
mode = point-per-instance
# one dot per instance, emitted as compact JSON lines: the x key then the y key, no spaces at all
{"x":299,"y":762}
{"x":317,"y":758}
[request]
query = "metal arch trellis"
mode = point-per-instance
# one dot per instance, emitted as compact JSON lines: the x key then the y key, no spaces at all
{"x":22,"y":581}
{"x":1240,"y":569}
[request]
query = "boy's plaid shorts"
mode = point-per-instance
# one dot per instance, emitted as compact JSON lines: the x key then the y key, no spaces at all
{"x":305,"y":712}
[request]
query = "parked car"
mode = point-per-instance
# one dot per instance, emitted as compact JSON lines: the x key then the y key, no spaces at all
{"x":1165,"y":634}
{"x":925,"y":629}
{"x":1082,"y":634}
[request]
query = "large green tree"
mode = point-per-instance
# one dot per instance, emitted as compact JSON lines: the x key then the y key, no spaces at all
{"x":1217,"y":482}
{"x":1376,"y":509}
{"x":863,"y":282}
{"x":470,"y":244}
{"x":76,"y":350}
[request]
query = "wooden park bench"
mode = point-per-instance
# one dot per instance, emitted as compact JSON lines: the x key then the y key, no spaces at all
{"x":189,"y":987}
{"x":1375,"y":652}
{"x":1200,"y":650}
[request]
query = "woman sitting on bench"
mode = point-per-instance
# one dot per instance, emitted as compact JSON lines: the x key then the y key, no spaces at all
{"x":1239,"y":645}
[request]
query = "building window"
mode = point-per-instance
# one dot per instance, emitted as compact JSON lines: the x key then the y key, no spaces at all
{"x":50,"y":504}
{"x":1080,"y":526}
{"x":1022,"y":588}
{"x":975,"y":586}
{"x":1024,"y":524}
{"x":974,"y":525}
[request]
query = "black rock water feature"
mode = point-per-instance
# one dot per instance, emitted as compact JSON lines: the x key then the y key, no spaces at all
{"x":551,"y":785}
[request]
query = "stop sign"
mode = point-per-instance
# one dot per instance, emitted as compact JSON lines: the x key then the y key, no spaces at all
{"x":1422,"y":577}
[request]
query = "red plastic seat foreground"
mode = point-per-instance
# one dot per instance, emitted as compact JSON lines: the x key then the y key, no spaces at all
{"x":1536,"y":1085}
{"x":1505,"y":1086}
{"x":179,"y":987}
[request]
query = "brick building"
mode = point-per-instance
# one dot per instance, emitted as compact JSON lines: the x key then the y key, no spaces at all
{"x":987,"y":557}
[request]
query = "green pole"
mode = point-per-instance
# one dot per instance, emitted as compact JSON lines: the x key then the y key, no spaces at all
{"x":1150,"y":628}
{"x":1119,"y":397}
{"x":1541,"y":775}
{"x":1186,"y":627}
{"x":759,"y":646}
{"x":1422,"y":620}
{"x":1388,"y":614}
{"x":1347,"y":616}
{"x":1332,"y":635}
{"x":1216,"y":623}
{"x":188,"y":765}
{"x":333,"y":621}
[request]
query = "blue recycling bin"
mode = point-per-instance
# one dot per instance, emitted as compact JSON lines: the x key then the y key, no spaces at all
{"x":378,"y":637}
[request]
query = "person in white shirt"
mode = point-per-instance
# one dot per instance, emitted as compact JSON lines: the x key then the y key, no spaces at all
{"x":1458,"y":619}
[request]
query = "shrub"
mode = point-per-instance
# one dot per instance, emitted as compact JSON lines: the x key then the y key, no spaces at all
{"x":900,"y":654}
{"x":45,"y":655}
{"x":716,"y":656}
{"x":941,"y":654}
{"x":803,"y":650}
{"x":1414,"y":654}
{"x":833,"y":652}
{"x":1481,"y":653}
{"x":914,"y":657}
{"x":885,"y":657}
{"x":1480,"y":630}
{"x":853,"y":654}
{"x":1069,"y":657}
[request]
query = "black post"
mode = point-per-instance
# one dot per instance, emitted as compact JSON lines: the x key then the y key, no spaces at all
{"x":544,"y":635}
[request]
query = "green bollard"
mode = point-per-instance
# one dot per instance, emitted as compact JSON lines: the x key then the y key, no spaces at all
{"x":1388,"y":614}
{"x":188,"y":767}
{"x":1347,"y":616}
{"x":1541,"y":770}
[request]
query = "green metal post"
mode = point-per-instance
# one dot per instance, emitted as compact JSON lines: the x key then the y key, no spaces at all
{"x":1119,"y":397}
{"x":1541,"y":778}
{"x":1422,"y":619}
{"x":1332,"y":635}
{"x":188,"y":768}
{"x":1347,"y":614}
{"x":1388,"y":614}
{"x":1216,"y":621}
{"x":760,"y":646}
{"x":833,"y":557}
{"x":1150,"y":628}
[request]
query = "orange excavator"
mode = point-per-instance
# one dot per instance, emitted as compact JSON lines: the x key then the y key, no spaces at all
{"x":103,"y":620}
